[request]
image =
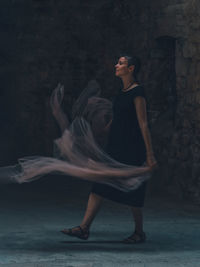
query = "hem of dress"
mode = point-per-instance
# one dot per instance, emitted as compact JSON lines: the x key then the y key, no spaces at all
{"x":118,"y":201}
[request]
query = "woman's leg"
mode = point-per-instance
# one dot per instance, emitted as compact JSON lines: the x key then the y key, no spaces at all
{"x":93,"y":206}
{"x":138,"y":219}
{"x":138,"y":235}
{"x":82,"y":231}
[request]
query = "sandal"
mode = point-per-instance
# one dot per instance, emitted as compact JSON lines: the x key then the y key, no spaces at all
{"x":78,"y":231}
{"x":135,"y":238}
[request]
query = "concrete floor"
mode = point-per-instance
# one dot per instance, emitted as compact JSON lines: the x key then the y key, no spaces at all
{"x":33,"y":214}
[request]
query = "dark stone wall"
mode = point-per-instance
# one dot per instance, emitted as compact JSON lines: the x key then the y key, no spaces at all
{"x":72,"y":42}
{"x":46,"y":42}
{"x":175,"y":126}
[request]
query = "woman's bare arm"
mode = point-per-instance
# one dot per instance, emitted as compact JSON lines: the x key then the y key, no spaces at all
{"x":140,"y":106}
{"x":55,"y":102}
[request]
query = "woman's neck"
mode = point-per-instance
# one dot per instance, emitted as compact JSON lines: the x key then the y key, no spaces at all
{"x":127,"y":82}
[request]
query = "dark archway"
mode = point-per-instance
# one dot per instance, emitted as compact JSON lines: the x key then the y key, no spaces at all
{"x":163,"y":78}
{"x":162,"y":106}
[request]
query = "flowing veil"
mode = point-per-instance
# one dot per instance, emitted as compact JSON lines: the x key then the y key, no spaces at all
{"x":80,"y":150}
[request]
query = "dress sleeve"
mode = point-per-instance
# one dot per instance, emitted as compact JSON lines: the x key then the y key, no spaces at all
{"x":138,"y":91}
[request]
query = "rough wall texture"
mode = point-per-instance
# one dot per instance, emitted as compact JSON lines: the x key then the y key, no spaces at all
{"x":46,"y":42}
{"x":175,"y":124}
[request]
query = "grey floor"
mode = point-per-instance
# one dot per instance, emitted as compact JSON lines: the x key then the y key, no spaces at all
{"x":33,"y":214}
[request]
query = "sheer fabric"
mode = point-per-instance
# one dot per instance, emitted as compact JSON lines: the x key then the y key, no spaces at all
{"x":80,"y":147}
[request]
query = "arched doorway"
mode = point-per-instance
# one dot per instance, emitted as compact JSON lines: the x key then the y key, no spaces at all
{"x":162,"y":106}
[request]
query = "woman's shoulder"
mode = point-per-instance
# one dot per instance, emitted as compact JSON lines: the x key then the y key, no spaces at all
{"x":138,"y":91}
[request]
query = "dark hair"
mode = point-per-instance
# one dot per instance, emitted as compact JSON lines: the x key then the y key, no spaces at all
{"x":132,"y":60}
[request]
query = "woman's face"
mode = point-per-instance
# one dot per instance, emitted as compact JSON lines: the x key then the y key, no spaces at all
{"x":122,"y":68}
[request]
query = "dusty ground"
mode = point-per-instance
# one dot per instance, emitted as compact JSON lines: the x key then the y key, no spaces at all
{"x":33,"y":214}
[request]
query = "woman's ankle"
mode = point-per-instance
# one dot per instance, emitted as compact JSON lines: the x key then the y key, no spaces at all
{"x":139,"y":231}
{"x":85,"y":226}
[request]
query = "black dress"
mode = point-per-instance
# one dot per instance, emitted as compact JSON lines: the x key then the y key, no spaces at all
{"x":126,"y":145}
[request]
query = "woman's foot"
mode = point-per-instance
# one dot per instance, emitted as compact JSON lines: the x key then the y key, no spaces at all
{"x":135,"y":238}
{"x":81,"y":232}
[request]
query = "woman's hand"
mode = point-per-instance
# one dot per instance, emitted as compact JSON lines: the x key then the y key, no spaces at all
{"x":55,"y":103}
{"x":56,"y":99}
{"x":151,"y":161}
{"x":107,"y":127}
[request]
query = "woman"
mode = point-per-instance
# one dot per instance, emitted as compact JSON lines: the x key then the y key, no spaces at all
{"x":129,"y":143}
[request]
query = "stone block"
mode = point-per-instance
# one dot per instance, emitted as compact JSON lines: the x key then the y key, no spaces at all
{"x":175,"y":9}
{"x":181,"y":82}
{"x":180,"y":20}
{"x":181,"y":66}
{"x":189,"y":50}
